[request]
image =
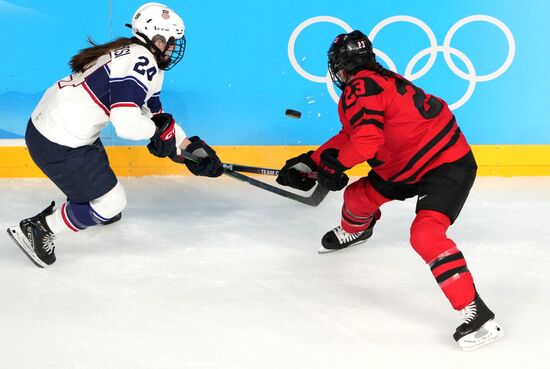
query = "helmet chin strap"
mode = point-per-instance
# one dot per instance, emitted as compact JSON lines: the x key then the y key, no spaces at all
{"x":158,"y":53}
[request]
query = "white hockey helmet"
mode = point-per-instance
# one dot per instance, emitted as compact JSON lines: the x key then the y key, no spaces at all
{"x":154,"y":20}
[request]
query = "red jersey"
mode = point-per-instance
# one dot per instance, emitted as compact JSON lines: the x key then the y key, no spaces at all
{"x":393,"y":125}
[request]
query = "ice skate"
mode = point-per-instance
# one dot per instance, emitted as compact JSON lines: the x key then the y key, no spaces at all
{"x":35,"y":239}
{"x":338,"y":239}
{"x":478,"y":328}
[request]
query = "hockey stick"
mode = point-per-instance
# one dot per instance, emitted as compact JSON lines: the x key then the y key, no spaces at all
{"x":314,"y":199}
{"x":259,"y":170}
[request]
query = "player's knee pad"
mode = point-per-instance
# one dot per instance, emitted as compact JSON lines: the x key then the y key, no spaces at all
{"x":110,"y":204}
{"x":429,"y":234}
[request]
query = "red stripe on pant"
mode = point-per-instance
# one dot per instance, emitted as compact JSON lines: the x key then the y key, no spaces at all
{"x":429,"y":239}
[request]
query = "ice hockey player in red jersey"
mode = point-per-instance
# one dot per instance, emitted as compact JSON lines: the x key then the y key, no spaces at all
{"x":120,"y":82}
{"x":414,"y":147}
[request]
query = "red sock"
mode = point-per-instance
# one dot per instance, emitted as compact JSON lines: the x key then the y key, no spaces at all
{"x":361,"y":206}
{"x":429,"y":239}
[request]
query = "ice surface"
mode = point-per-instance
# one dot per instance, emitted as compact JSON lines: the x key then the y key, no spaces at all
{"x":214,"y":274}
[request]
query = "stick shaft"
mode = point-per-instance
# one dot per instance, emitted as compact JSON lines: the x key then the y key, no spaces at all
{"x":314,"y":199}
{"x":259,"y":170}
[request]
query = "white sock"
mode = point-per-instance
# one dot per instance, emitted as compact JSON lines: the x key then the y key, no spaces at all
{"x":55,"y":221}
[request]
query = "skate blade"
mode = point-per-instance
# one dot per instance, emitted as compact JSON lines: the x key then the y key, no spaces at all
{"x":488,"y":333}
{"x":322,"y":250}
{"x":21,"y":241}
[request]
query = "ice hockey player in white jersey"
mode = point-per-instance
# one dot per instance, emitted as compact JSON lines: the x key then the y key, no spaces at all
{"x":118,"y":82}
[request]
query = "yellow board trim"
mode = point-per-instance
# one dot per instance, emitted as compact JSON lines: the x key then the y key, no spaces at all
{"x":493,"y":160}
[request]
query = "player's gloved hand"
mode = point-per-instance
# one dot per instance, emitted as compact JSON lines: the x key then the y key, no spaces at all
{"x":210,"y":165}
{"x":331,"y":172}
{"x":163,"y":141}
{"x":293,"y":173}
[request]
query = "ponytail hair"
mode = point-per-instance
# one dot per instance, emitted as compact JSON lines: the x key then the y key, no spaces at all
{"x":88,"y":56}
{"x":378,"y":68}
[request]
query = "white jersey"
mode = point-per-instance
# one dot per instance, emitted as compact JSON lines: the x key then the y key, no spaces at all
{"x":122,"y":87}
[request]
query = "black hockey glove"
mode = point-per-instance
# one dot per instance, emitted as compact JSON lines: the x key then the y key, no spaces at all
{"x":293,"y":173}
{"x":331,"y":172}
{"x":163,"y":141}
{"x":210,"y":165}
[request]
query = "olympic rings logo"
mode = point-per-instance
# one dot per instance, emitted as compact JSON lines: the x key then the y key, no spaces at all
{"x":471,"y":76}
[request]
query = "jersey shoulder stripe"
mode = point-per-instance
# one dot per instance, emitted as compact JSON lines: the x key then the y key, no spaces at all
{"x":97,"y":86}
{"x":127,"y":90}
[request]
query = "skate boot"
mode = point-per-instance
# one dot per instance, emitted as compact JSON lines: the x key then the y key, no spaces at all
{"x":478,"y":328}
{"x":35,"y":239}
{"x":338,"y":239}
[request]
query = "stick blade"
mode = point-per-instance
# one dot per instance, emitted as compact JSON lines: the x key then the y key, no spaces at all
{"x":318,"y":195}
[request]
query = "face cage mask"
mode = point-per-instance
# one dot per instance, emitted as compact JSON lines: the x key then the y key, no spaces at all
{"x":334,"y":76}
{"x":176,"y":55}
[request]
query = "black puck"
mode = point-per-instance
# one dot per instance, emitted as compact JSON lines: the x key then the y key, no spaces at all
{"x":293,"y":113}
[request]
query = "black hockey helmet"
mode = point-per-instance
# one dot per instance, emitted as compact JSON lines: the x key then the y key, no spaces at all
{"x":350,"y":52}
